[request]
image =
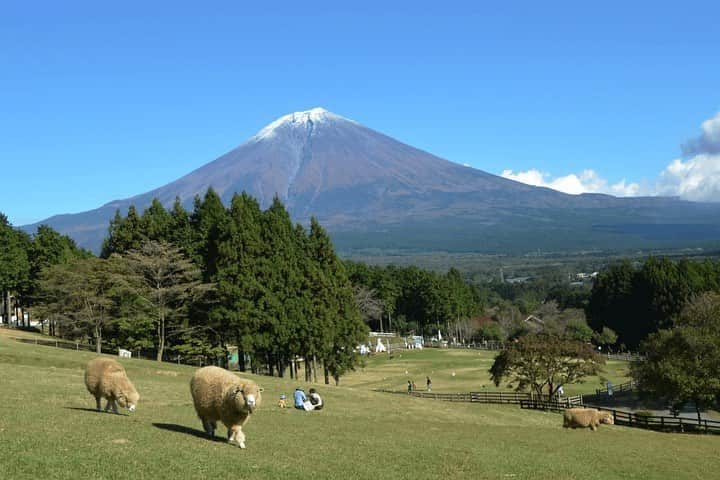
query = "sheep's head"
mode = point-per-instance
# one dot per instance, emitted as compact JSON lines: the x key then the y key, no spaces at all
{"x":247,"y":397}
{"x":128,"y":399}
{"x":607,"y":418}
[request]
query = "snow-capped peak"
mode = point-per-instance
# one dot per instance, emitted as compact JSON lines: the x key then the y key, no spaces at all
{"x":315,"y":116}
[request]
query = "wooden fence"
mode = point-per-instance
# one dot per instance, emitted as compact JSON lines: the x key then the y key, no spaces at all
{"x":625,"y":357}
{"x":623,"y":387}
{"x":631,"y":419}
{"x":137,"y":353}
{"x":514,"y":398}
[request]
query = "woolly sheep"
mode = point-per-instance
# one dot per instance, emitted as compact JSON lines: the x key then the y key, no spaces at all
{"x":106,"y":378}
{"x":586,"y":417}
{"x":220,"y":395}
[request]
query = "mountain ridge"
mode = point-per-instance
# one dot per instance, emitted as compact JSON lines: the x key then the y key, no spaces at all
{"x":355,"y":179}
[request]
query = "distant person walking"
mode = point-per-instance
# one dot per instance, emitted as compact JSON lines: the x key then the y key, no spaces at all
{"x":409,"y":387}
{"x":429,"y":384}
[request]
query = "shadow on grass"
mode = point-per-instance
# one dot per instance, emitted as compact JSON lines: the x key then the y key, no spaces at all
{"x":186,"y":430}
{"x":95,"y":411}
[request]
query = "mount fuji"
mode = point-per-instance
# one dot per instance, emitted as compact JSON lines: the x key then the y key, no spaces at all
{"x":373,"y":192}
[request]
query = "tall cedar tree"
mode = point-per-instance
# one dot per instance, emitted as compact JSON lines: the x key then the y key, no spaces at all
{"x":124,"y":234}
{"x":155,"y":222}
{"x":208,"y":217}
{"x":336,"y":325}
{"x":180,"y":231}
{"x":281,"y":306}
{"x":240,"y":248}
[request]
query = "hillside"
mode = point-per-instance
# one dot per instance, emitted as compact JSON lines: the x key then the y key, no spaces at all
{"x":49,"y":430}
{"x":373,"y":192}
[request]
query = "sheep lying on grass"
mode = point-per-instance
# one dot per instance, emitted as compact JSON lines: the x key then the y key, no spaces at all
{"x":106,"y":378}
{"x":220,"y":395}
{"x":586,"y":417}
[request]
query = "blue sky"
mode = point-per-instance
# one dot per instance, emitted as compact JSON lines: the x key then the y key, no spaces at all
{"x":100,"y":101}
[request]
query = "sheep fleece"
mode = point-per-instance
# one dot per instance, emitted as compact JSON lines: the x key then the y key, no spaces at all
{"x":585,"y":417}
{"x":219,"y":395}
{"x":106,"y":378}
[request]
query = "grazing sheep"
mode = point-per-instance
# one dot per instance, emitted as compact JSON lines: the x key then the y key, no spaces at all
{"x":106,"y":378}
{"x":586,"y":417}
{"x":220,"y":395}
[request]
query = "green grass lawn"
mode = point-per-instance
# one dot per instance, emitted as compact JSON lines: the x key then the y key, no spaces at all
{"x":49,"y":429}
{"x":470,"y":367}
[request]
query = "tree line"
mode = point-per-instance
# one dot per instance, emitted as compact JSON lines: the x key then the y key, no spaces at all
{"x":636,"y":300}
{"x":412,"y":300}
{"x":194,"y":283}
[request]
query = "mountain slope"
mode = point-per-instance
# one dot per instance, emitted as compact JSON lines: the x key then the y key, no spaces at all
{"x":372,"y":191}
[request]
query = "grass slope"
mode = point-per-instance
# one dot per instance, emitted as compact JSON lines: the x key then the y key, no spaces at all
{"x":469,"y":366}
{"x":48,"y":429}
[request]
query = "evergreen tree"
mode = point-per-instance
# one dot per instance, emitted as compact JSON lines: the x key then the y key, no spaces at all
{"x":337,"y":327}
{"x":155,"y":222}
{"x":14,"y":264}
{"x":207,"y":219}
{"x":281,"y":306}
{"x":180,"y":231}
{"x":124,"y":234}
{"x":235,"y":313}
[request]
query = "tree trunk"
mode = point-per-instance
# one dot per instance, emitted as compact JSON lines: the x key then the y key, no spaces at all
{"x":314,"y":368}
{"x":98,"y":341}
{"x":161,"y":338}
{"x":241,"y":361}
{"x":327,"y":374}
{"x":161,"y":349}
{"x":6,"y":310}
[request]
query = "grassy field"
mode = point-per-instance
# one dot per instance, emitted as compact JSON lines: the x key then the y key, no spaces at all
{"x":469,"y":366}
{"x":48,"y":429}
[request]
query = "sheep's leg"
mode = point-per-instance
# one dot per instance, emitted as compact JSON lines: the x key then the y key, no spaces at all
{"x":97,"y":403}
{"x":209,"y":427}
{"x":111,"y":405}
{"x":236,"y":436}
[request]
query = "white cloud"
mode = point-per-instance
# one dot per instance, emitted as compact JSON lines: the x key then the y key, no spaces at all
{"x":709,"y":141}
{"x":695,"y":178}
{"x":588,"y":181}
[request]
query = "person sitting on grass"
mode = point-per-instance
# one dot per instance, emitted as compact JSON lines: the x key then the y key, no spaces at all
{"x":316,"y":400}
{"x":300,"y":398}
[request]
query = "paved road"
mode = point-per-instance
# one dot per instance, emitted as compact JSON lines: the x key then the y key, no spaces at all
{"x":629,"y":401}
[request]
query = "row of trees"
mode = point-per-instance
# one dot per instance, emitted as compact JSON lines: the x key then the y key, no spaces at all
{"x":683,"y":361}
{"x":193,"y":283}
{"x":635,"y":301}
{"x":22,"y":258}
{"x":412,"y":300}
